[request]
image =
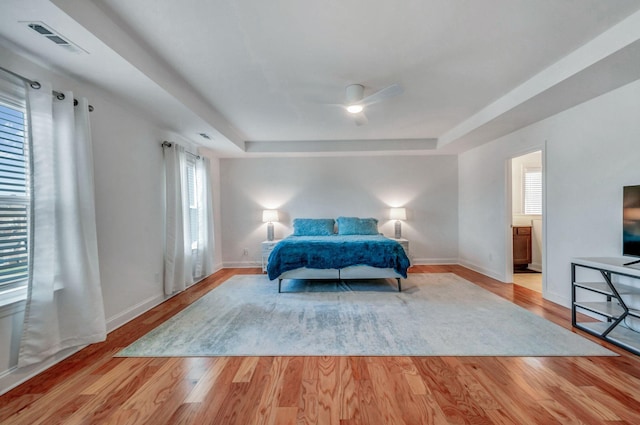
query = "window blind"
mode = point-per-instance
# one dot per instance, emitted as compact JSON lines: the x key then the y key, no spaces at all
{"x":14,"y":197}
{"x":532,"y":191}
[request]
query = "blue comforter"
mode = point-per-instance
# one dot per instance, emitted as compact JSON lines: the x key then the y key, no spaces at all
{"x":336,"y":252}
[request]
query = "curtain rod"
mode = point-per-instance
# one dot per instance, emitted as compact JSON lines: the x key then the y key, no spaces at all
{"x":166,"y":144}
{"x":36,"y":85}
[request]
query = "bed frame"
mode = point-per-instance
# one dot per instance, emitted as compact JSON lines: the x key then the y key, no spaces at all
{"x":351,"y":272}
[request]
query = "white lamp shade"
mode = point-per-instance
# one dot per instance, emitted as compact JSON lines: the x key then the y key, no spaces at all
{"x":269,"y":216}
{"x":398,"y":214}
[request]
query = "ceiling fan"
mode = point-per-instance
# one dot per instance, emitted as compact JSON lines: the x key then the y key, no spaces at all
{"x":355,"y":102}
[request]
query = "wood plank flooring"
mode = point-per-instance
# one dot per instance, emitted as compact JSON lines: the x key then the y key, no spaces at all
{"x":92,"y":387}
{"x":532,"y":281}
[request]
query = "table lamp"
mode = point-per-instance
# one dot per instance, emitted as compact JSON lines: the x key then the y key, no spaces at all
{"x":398,"y":214}
{"x":269,"y":216}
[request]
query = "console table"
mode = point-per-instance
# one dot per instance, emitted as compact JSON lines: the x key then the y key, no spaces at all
{"x":600,"y":277}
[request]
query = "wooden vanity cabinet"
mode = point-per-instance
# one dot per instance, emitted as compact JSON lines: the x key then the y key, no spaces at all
{"x":521,"y":246}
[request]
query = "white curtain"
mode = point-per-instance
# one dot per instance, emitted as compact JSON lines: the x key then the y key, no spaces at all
{"x":178,"y":264}
{"x":204,"y":255}
{"x":64,"y":304}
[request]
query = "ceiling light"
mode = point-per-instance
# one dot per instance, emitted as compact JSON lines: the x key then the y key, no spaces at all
{"x":355,"y":109}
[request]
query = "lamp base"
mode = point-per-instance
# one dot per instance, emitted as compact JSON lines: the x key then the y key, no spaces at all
{"x":269,"y":231}
{"x":398,"y":229}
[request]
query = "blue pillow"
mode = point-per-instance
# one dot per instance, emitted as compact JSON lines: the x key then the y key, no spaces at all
{"x":357,"y":226}
{"x":313,"y":226}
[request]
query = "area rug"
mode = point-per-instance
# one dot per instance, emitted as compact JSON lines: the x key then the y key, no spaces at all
{"x":435,"y":315}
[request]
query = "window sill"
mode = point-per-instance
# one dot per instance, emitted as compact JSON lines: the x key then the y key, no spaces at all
{"x":10,"y":300}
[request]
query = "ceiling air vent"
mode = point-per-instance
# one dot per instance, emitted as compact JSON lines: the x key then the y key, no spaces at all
{"x":48,"y":32}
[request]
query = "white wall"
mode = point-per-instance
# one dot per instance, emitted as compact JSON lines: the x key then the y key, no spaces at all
{"x":129,"y":204}
{"x":351,"y":186}
{"x":217,"y":209}
{"x":591,"y":152}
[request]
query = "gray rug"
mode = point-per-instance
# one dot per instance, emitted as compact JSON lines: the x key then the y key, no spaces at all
{"x":435,"y":315}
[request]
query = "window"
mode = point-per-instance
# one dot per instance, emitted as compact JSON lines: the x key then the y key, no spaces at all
{"x":14,"y":196}
{"x":532,"y":190}
{"x":196,"y":214}
{"x":193,"y":201}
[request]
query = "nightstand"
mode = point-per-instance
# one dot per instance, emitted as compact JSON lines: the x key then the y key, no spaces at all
{"x":267,"y":247}
{"x":404,"y":243}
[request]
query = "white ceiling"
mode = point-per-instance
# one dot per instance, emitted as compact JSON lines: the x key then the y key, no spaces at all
{"x":267,"y":72}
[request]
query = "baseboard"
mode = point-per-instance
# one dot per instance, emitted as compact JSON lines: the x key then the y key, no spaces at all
{"x":241,"y":264}
{"x":430,"y":261}
{"x":536,"y":267}
{"x":482,"y":270}
{"x":558,"y":299}
{"x":142,"y":307}
{"x":122,"y":318}
{"x":14,"y":376}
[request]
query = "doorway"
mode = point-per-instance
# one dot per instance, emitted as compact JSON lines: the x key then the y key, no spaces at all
{"x":527,"y":219}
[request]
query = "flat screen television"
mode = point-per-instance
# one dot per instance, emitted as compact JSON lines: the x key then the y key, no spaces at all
{"x":631,"y":222}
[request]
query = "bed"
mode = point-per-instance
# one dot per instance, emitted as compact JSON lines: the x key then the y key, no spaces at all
{"x":355,"y":251}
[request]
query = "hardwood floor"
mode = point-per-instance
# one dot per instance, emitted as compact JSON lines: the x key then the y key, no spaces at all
{"x":532,"y":281}
{"x":92,"y":387}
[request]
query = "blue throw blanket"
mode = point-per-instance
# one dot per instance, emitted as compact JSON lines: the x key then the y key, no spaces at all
{"x":336,"y":252}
